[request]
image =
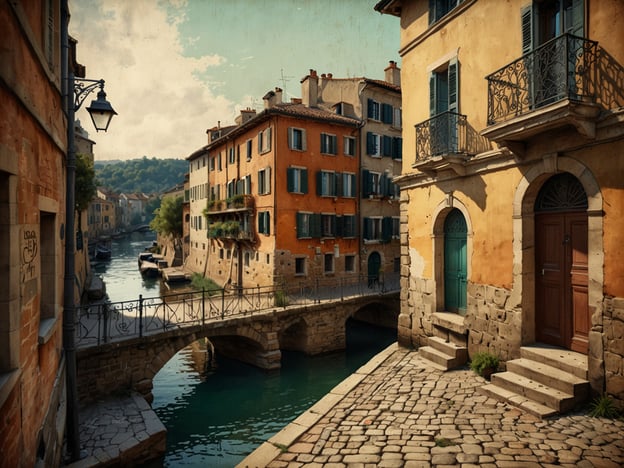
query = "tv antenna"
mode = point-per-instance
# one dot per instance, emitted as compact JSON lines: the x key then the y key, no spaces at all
{"x":284,"y":79}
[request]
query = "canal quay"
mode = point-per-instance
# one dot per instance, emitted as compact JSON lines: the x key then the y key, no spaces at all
{"x":385,"y":407}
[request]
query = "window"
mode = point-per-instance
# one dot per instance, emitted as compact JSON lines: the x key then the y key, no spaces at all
{"x":346,"y":185}
{"x":348,"y":225}
{"x":247,"y":185}
{"x":326,"y":184}
{"x":443,"y":91}
{"x":297,"y":139}
{"x":386,"y":146}
{"x":373,"y":183}
{"x":329,"y":144}
{"x":232,"y":156}
{"x":439,"y":8}
{"x":372,"y":229}
{"x":373,"y":144}
{"x":398,"y":118}
{"x":349,"y":263}
{"x":297,"y":180}
{"x":264,"y":222}
{"x":264,"y":141}
{"x":248,"y":145}
{"x":219,"y":166}
{"x":328,"y":225}
{"x":372,"y":109}
{"x":397,"y":148}
{"x":231,"y":188}
{"x":246,"y":258}
{"x":303,"y":225}
{"x":387,"y":114}
{"x":211,"y":164}
{"x":264,"y":181}
{"x":300,"y":266}
{"x":328,"y":263}
{"x":396,"y":226}
{"x":349,"y":146}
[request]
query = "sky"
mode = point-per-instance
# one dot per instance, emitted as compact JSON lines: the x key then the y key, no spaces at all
{"x":175,"y":68}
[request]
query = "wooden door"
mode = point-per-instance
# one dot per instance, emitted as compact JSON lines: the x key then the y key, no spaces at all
{"x":455,"y":262}
{"x":561,"y":301}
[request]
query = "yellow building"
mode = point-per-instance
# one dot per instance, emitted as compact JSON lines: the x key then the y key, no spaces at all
{"x":512,"y":187}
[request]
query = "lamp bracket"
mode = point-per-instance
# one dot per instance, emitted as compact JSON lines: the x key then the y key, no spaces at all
{"x":82,"y":88}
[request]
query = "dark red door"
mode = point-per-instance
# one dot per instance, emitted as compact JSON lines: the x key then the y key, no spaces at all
{"x":561,"y":301}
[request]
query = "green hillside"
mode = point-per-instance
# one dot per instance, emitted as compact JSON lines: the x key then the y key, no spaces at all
{"x":149,"y":176}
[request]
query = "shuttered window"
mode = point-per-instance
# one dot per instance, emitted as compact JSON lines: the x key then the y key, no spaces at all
{"x":297,"y":180}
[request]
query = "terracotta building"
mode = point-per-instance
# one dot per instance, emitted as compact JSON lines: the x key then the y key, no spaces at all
{"x":33,"y":146}
{"x":512,"y":187}
{"x":273,"y":198}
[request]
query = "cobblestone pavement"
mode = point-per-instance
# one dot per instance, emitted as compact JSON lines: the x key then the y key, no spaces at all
{"x":399,"y":412}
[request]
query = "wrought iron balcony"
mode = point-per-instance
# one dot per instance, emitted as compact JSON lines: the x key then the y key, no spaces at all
{"x":562,"y":68}
{"x":230,"y":229}
{"x":447,"y":134}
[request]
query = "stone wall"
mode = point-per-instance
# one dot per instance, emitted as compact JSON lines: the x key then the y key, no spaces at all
{"x":613,"y":341}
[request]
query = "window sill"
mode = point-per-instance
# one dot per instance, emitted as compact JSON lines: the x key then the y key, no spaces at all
{"x":8,"y":380}
{"x":46,"y":329}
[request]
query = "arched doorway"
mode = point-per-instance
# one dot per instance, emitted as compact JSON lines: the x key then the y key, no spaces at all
{"x":455,"y":262}
{"x":561,"y":264}
{"x":374,"y":265}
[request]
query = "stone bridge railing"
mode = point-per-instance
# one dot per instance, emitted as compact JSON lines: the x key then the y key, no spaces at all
{"x":107,"y":322}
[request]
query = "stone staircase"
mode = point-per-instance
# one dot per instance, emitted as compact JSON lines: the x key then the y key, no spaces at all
{"x":545,"y":381}
{"x":447,"y":348}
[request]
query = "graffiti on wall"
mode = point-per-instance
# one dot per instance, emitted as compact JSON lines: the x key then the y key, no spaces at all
{"x":29,"y":247}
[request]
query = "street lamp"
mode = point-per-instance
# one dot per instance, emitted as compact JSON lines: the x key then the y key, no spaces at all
{"x":100,"y":110}
{"x":101,"y":114}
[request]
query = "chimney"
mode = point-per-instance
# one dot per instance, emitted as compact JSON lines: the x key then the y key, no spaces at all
{"x":272,"y":98}
{"x":393,"y":74}
{"x":245,"y":116}
{"x":309,"y":89}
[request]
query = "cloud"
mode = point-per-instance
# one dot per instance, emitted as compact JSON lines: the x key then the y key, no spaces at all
{"x":163,"y":103}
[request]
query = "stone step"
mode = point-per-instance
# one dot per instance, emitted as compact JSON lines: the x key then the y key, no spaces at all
{"x":563,"y":359}
{"x":449,"y":348}
{"x":536,"y":391}
{"x":438,"y":357}
{"x":550,"y":376}
{"x":528,"y":405}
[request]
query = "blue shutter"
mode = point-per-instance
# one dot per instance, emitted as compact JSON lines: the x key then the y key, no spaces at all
{"x":397,"y":148}
{"x":386,"y":145}
{"x":386,"y":113}
{"x":304,"y":180}
{"x":370,"y":143}
{"x":369,"y":108}
{"x":323,"y":143}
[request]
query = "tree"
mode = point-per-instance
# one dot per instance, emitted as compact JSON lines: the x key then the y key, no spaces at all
{"x":168,"y":219}
{"x":85,"y":189}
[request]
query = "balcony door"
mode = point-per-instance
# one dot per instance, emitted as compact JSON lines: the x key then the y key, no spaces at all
{"x":561,"y":245}
{"x":443,"y":103}
{"x":552,"y":66}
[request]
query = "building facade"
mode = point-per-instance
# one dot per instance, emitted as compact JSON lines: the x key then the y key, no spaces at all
{"x":511,"y":187}
{"x":33,"y":148}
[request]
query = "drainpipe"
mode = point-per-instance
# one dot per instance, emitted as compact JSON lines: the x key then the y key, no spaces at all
{"x":69,"y":347}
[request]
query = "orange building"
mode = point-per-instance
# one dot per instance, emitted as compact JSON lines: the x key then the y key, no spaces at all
{"x":512,"y":188}
{"x":279,"y":192}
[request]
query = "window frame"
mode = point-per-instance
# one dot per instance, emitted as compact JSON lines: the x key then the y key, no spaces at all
{"x":264,"y":181}
{"x":349,"y":145}
{"x":329,"y":144}
{"x":297,"y":139}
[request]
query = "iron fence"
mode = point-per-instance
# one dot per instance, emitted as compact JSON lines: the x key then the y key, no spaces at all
{"x":105,"y":322}
{"x":564,"y":67}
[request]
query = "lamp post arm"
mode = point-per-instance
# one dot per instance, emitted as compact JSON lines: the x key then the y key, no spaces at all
{"x":82,"y":88}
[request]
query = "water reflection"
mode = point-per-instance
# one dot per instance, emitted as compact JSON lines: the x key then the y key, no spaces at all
{"x":217,"y":415}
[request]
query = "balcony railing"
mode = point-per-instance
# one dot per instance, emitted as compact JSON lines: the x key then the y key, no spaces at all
{"x":447,"y":133}
{"x":235,"y":203}
{"x":562,"y":68}
{"x":229,"y":230}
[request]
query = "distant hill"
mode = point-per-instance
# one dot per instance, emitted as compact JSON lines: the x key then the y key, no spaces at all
{"x":140,"y":175}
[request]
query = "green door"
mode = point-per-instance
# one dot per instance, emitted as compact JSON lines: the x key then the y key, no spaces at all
{"x":455,"y":270}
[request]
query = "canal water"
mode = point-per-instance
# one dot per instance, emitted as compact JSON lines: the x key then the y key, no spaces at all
{"x":218,"y":412}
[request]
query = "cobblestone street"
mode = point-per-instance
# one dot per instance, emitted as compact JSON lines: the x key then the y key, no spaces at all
{"x":397,"y":411}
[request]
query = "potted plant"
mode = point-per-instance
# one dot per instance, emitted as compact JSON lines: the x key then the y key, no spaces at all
{"x":484,"y":364}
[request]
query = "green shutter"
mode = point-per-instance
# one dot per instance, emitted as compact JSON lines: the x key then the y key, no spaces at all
{"x":366,"y":183}
{"x":370,"y":143}
{"x":383,"y":185}
{"x":386,"y":229}
{"x":290,"y":179}
{"x":369,"y":108}
{"x":290,"y":137}
{"x":304,"y":144}
{"x":339,"y":226}
{"x":526,"y":15}
{"x":267,"y":225}
{"x":575,"y":19}
{"x":315,"y":225}
{"x":386,"y":146}
{"x":299,"y":225}
{"x":432,"y":95}
{"x":340,"y":184}
{"x":319,"y":183}
{"x":453,"y":85}
{"x":323,"y":143}
{"x":304,"y":180}
{"x":353,"y":181}
{"x":367,"y":228}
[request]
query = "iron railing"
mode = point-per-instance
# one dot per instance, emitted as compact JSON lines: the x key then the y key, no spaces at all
{"x":562,"y":68}
{"x":448,"y":133}
{"x":107,"y":322}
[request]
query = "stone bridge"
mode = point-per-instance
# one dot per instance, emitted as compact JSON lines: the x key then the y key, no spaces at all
{"x":257,"y":339}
